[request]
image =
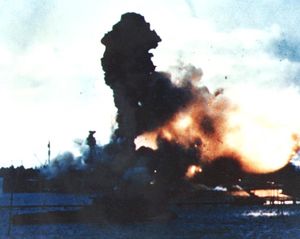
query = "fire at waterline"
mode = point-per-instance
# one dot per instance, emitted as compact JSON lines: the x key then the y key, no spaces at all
{"x":171,"y":131}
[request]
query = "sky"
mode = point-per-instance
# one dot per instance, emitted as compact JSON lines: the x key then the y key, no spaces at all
{"x":51,"y":80}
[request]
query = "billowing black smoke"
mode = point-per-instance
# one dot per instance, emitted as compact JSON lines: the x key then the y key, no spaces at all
{"x":140,"y":183}
{"x":144,"y":98}
{"x":147,"y":99}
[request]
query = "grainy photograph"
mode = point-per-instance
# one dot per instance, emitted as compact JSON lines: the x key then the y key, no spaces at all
{"x":150,"y":119}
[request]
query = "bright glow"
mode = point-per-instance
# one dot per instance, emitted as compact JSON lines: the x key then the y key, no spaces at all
{"x":260,"y":128}
{"x":264,"y":128}
{"x":192,"y":171}
{"x":268,"y":192}
{"x":240,"y":193}
{"x":146,"y":140}
{"x":183,"y":123}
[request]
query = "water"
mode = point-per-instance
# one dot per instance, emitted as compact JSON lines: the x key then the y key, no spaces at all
{"x":204,"y":222}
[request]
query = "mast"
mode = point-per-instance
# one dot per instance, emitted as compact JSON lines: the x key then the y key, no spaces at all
{"x":49,"y":152}
{"x":91,"y":142}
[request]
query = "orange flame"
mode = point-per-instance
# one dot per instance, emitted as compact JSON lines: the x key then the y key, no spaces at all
{"x":259,"y":137}
{"x":192,"y":171}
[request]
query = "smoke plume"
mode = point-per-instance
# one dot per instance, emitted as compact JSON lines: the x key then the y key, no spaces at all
{"x":144,"y":98}
{"x":170,"y":129}
{"x":153,"y":107}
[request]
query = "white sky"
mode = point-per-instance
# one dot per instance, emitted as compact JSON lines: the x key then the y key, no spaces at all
{"x":51,"y":81}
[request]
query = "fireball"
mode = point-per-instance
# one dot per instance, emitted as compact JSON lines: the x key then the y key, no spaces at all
{"x":262,"y":131}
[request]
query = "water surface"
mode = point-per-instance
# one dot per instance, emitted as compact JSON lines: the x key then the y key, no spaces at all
{"x":205,"y":222}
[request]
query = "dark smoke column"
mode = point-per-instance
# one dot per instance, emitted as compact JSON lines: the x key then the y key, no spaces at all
{"x":128,"y":67}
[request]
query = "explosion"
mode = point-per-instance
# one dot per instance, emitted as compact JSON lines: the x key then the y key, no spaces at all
{"x":259,"y":138}
{"x":256,"y":128}
{"x":264,"y":148}
{"x":171,"y":129}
